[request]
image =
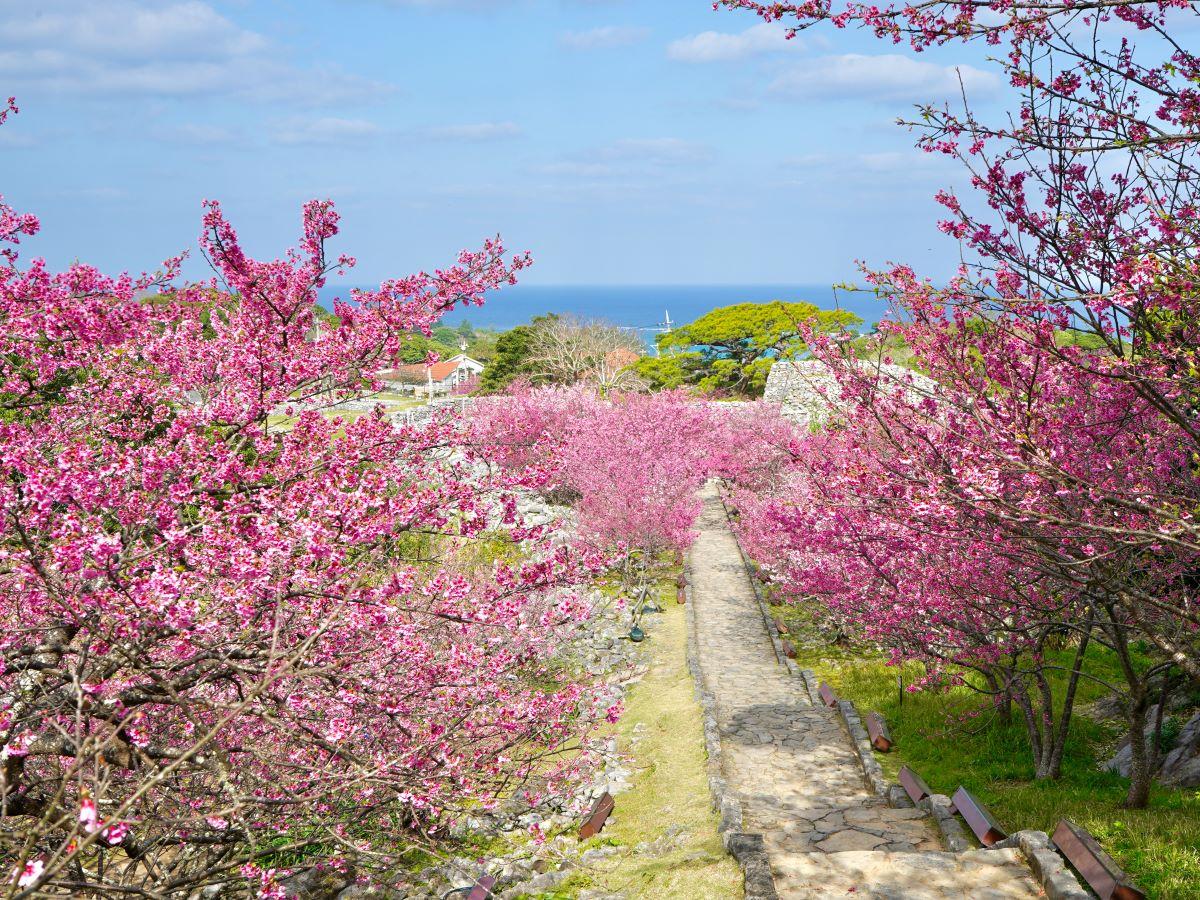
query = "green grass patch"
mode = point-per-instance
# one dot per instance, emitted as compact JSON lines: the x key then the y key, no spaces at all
{"x":954,"y":738}
{"x":670,"y":785}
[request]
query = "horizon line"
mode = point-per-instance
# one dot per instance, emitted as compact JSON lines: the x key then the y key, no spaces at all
{"x":654,"y":284}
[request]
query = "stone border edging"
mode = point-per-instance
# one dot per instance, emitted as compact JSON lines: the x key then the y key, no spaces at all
{"x":862,"y":747}
{"x":953,"y":834}
{"x":745,"y":847}
{"x":939,"y":806}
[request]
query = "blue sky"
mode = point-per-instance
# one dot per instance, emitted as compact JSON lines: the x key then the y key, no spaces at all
{"x":622,"y":141}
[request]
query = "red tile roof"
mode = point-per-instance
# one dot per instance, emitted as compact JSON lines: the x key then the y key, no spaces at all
{"x":419,"y":373}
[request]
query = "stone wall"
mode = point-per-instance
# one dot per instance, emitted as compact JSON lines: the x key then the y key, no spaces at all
{"x":808,"y":392}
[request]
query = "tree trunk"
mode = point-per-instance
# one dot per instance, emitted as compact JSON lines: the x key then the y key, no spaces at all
{"x":1156,"y":752}
{"x":1136,"y":705}
{"x":1032,"y":725}
{"x":1000,"y":698}
{"x":1068,"y":706}
{"x":1047,"y":755}
{"x":1139,"y":765}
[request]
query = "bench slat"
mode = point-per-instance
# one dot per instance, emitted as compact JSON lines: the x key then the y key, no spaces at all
{"x":1098,"y":869}
{"x":877,"y":730}
{"x":594,"y":823}
{"x":914,"y":785}
{"x":483,"y":888}
{"x":982,"y":822}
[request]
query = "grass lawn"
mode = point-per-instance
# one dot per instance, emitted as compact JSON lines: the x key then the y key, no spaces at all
{"x":953,"y":738}
{"x":670,"y":786}
{"x":392,"y":403}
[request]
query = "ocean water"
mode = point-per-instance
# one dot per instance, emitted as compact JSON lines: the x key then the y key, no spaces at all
{"x":642,"y":307}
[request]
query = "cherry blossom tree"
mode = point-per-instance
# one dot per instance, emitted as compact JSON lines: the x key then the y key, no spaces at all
{"x":1063,"y":430}
{"x":630,"y":464}
{"x":941,"y":524}
{"x":236,"y":634}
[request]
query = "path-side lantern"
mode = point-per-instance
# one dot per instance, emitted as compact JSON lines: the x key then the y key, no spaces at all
{"x":636,"y":634}
{"x":828,"y":697}
{"x":681,"y":595}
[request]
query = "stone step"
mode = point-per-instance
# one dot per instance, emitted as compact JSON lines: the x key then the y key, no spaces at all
{"x":879,"y":875}
{"x":843,"y":830}
{"x":810,"y":805}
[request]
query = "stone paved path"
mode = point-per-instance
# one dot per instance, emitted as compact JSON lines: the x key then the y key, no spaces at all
{"x":790,"y":763}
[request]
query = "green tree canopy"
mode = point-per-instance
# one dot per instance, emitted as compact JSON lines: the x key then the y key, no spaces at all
{"x":482,"y":344}
{"x":512,"y":357}
{"x":665,"y":373}
{"x":417,"y":347}
{"x":446,"y":335}
{"x":731,"y":349}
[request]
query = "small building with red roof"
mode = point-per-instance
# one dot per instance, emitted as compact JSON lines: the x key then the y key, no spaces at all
{"x":448,"y":376}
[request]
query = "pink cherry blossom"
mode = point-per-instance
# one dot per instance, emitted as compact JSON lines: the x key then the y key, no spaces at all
{"x":231,"y":620}
{"x":1039,"y":485}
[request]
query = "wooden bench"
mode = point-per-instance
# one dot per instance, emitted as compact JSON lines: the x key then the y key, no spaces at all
{"x":1098,"y":869}
{"x":594,"y":823}
{"x":877,"y":731}
{"x":976,"y":815}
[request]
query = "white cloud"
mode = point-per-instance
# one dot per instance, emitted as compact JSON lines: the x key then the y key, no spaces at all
{"x":9,"y":138}
{"x":333,"y":130}
{"x":175,"y":48}
{"x":883,"y":77}
{"x":720,"y":46}
{"x":603,"y":38}
{"x":909,"y":162}
{"x":484,"y":5}
{"x":474,"y":132}
{"x":329,"y":130}
{"x":190,"y":29}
